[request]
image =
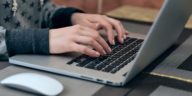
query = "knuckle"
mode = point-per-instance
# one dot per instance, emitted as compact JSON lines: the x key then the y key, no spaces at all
{"x":118,"y":22}
{"x":78,"y":26}
{"x":73,"y":48}
{"x":96,"y":36}
{"x":109,"y":26}
{"x":91,"y":40}
{"x":83,"y":49}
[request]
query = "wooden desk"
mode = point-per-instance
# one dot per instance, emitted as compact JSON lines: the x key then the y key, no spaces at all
{"x":139,"y":14}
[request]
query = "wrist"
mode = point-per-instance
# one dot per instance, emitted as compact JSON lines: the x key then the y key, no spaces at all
{"x":74,"y":18}
{"x":51,"y":44}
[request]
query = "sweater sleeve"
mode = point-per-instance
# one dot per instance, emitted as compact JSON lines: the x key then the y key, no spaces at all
{"x":3,"y":47}
{"x":27,"y":41}
{"x":23,"y":41}
{"x":54,"y":16}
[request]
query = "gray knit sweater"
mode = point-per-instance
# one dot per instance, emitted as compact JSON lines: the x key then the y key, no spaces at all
{"x":26,"y":32}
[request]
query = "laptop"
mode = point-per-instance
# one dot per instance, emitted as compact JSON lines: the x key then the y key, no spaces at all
{"x":126,"y":60}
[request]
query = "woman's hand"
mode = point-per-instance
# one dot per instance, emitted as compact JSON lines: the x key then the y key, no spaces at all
{"x":77,"y":38}
{"x":101,"y":22}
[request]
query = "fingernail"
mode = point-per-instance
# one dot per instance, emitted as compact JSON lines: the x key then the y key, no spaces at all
{"x":122,"y":40}
{"x":98,"y":54}
{"x":104,"y":53}
{"x":113,"y":42}
{"x":126,"y":31}
{"x":109,"y":49}
{"x":125,"y":36}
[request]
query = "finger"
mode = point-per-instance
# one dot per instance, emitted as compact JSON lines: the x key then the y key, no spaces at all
{"x":95,"y":35}
{"x":85,"y":50}
{"x":108,"y":27}
{"x":118,"y":27}
{"x":125,"y":30}
{"x":126,"y":33}
{"x":92,"y":42}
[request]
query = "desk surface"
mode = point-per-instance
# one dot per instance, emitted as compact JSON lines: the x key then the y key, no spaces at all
{"x":144,"y":84}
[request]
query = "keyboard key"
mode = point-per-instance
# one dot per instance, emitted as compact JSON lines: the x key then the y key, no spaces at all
{"x":108,"y":68}
{"x":85,"y":62}
{"x":100,"y":66}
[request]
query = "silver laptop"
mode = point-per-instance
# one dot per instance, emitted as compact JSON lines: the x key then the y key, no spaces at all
{"x":126,"y":60}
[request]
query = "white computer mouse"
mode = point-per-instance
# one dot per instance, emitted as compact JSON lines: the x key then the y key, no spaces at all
{"x":35,"y":83}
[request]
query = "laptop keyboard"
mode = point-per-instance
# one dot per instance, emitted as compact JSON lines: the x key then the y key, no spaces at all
{"x":121,"y":55}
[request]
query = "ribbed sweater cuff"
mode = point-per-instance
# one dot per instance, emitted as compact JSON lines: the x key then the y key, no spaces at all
{"x":27,"y":41}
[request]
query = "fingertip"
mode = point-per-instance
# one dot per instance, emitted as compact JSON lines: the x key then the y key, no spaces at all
{"x":113,"y":42}
{"x":126,"y":32}
{"x":122,"y":40}
{"x":97,"y":54}
{"x":125,"y":36}
{"x":104,"y":53}
{"x":110,"y":50}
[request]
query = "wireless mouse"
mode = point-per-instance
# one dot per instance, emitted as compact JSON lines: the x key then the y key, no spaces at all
{"x":35,"y":83}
